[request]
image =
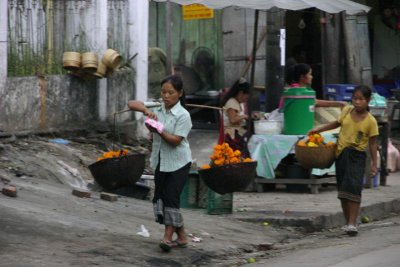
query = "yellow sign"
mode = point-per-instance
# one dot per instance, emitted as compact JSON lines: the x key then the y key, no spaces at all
{"x":197,"y":11}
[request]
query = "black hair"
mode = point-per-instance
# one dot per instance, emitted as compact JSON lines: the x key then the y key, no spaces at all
{"x":239,"y":86}
{"x":364,"y":90}
{"x":296,"y":71}
{"x":177,"y":83}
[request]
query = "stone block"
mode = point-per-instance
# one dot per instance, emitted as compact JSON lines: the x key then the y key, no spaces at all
{"x":10,"y":191}
{"x":108,"y":196}
{"x":81,"y":193}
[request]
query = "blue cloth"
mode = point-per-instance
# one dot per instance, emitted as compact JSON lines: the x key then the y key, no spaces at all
{"x":269,"y":150}
{"x":59,"y":141}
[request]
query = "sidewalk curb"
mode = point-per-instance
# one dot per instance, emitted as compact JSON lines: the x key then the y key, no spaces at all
{"x":321,"y":221}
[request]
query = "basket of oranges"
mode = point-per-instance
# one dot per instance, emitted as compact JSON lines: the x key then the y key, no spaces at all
{"x":314,"y":152}
{"x":116,"y":169}
{"x":228,"y":171}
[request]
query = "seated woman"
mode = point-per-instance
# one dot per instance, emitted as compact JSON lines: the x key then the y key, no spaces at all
{"x":234,"y":117}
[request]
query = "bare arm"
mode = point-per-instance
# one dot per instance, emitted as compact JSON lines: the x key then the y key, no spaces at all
{"x":330,"y":103}
{"x":373,"y":148}
{"x":234,"y":116}
{"x":171,"y":139}
{"x":325,"y":127}
{"x":139,"y":106}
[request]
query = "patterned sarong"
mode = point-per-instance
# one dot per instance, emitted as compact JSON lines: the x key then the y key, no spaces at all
{"x":166,"y":201}
{"x":350,"y":170}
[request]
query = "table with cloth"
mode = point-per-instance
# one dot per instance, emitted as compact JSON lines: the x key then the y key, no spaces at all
{"x":269,"y":150}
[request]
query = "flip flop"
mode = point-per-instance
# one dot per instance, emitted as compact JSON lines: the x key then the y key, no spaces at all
{"x":179,"y":244}
{"x":165,"y":245}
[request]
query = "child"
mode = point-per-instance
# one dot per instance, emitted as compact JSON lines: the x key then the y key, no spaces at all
{"x":170,"y":157}
{"x":234,"y":117}
{"x":358,"y":129}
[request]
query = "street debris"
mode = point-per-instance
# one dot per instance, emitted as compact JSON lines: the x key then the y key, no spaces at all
{"x":60,"y":141}
{"x":364,"y":219}
{"x":286,"y":211}
{"x":195,"y":238}
{"x":108,"y":196}
{"x":81,"y":193}
{"x":251,"y":260}
{"x":265,"y":246}
{"x":10,"y":191}
{"x":143,"y":231}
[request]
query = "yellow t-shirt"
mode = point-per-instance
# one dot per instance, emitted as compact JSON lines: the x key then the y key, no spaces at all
{"x":355,"y":134}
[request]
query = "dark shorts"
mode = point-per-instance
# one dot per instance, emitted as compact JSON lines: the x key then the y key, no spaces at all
{"x":350,"y":170}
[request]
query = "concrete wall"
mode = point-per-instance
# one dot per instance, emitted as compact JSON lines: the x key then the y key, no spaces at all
{"x":3,"y":45}
{"x":48,"y":103}
{"x":62,"y":102}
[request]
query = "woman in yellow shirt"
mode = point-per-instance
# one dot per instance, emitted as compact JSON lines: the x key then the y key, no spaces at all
{"x":359,"y":130}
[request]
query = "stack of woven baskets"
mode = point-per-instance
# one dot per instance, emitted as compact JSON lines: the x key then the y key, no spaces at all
{"x":87,"y":64}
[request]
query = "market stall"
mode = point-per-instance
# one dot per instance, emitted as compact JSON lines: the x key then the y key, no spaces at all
{"x":347,"y":6}
{"x":270,"y":150}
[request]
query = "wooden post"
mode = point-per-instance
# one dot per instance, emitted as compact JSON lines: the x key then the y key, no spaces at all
{"x":168,"y":33}
{"x":254,"y":103}
{"x":50,"y":33}
{"x":101,"y":41}
{"x":323,"y":49}
{"x":274,"y":70}
{"x":384,"y":135}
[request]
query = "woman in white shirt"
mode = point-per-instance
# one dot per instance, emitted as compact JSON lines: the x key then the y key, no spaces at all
{"x":170,"y":158}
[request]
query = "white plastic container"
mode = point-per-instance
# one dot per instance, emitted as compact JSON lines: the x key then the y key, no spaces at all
{"x":267,"y":127}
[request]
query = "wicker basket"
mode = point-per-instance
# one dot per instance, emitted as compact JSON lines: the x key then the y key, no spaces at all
{"x":229,"y":178}
{"x":320,"y":157}
{"x":113,"y":173}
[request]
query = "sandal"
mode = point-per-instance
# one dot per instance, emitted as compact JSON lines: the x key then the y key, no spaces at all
{"x":179,"y":244}
{"x":166,"y":245}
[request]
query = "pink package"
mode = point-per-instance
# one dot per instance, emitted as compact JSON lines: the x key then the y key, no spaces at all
{"x":155,"y":124}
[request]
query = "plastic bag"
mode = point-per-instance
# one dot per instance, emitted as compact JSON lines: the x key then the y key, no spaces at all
{"x":377,"y":100}
{"x":275,"y":115}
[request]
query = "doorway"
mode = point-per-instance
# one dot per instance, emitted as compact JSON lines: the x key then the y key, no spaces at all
{"x":303,"y":43}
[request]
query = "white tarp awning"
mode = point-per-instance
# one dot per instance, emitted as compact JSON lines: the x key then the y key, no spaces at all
{"x":329,"y":6}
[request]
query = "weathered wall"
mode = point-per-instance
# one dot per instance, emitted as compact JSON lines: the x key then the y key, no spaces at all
{"x":3,"y":45}
{"x":197,"y":47}
{"x":62,"y":102}
{"x":52,"y":102}
{"x":120,"y":89}
{"x":40,"y":31}
{"x":238,"y":29}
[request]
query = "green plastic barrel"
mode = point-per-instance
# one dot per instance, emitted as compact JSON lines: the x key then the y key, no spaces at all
{"x":190,"y":192}
{"x":298,"y":109}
